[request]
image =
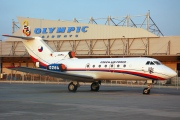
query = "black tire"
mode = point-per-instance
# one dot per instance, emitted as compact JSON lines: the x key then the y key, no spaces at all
{"x":72,"y":87}
{"x":146,"y":91}
{"x":95,"y":86}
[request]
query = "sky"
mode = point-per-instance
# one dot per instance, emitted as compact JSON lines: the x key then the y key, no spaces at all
{"x":165,"y":13}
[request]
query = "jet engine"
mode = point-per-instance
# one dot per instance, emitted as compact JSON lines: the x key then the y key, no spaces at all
{"x":72,"y":54}
{"x":63,"y":55}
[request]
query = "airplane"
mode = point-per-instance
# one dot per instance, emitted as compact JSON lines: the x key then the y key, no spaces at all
{"x":66,"y":66}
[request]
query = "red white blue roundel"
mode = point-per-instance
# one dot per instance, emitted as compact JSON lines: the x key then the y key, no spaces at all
{"x":40,"y":48}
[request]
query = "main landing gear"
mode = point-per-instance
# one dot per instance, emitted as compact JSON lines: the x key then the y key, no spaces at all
{"x":95,"y":86}
{"x":72,"y":87}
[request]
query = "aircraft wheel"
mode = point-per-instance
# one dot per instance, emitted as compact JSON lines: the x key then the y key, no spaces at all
{"x":72,"y":87}
{"x":146,"y":91}
{"x":95,"y":86}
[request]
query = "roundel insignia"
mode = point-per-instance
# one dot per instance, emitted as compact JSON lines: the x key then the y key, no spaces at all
{"x":40,"y":48}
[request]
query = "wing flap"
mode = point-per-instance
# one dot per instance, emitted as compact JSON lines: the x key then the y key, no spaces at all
{"x":63,"y":75}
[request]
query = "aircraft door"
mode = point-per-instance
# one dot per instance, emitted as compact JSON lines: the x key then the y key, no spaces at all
{"x":112,"y":67}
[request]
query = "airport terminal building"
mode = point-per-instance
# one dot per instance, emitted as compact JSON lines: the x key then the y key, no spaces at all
{"x":116,"y":37}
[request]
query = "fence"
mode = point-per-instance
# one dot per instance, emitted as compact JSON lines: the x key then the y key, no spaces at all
{"x":35,"y":78}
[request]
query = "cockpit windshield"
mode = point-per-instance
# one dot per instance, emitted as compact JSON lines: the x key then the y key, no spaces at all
{"x":147,"y":63}
{"x":157,"y":62}
{"x":153,"y":63}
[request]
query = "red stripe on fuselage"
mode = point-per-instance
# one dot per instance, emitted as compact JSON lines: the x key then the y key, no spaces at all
{"x":150,"y":76}
{"x":36,"y":60}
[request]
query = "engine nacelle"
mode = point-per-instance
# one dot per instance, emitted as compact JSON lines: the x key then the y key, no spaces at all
{"x":72,"y":54}
{"x":57,"y":67}
{"x":63,"y":55}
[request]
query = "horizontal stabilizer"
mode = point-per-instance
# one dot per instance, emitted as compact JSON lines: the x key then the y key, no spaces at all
{"x":22,"y":37}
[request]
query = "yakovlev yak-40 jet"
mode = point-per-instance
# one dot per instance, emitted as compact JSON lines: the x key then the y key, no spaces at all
{"x":64,"y":65}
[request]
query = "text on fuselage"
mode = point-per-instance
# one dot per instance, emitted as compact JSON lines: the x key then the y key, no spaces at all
{"x":113,"y":62}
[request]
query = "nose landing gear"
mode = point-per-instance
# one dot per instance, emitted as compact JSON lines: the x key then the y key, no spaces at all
{"x":147,"y":90}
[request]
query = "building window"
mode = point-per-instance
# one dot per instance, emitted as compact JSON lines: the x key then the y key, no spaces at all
{"x":58,"y":36}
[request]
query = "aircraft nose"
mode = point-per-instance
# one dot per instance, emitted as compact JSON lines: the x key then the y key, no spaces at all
{"x":172,"y":73}
{"x":169,"y":73}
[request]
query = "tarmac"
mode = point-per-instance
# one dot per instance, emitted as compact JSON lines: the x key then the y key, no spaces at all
{"x":55,"y":102}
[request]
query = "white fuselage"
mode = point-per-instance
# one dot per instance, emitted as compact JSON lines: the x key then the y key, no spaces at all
{"x":118,"y":68}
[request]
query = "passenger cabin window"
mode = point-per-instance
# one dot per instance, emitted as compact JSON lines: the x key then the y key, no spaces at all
{"x":105,"y":66}
{"x":118,"y":65}
{"x":93,"y":66}
{"x":99,"y":66}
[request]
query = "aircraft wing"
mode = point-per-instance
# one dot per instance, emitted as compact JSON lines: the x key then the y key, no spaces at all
{"x":63,"y":75}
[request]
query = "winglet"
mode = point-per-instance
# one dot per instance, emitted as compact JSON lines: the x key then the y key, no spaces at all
{"x":22,"y":37}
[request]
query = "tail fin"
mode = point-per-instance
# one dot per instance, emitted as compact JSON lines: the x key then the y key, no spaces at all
{"x":37,"y":48}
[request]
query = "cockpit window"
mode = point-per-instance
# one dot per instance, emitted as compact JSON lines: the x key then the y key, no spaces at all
{"x":147,"y":63}
{"x":151,"y":63}
{"x":157,"y":62}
